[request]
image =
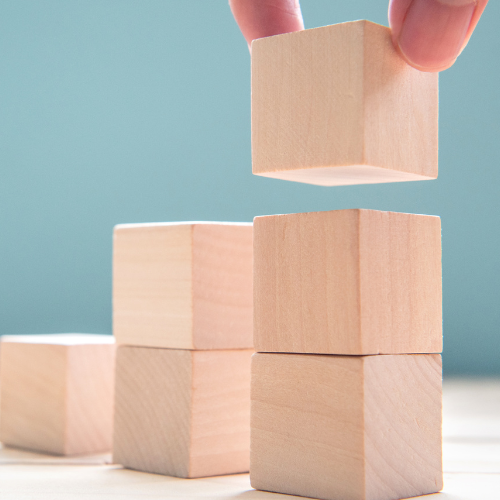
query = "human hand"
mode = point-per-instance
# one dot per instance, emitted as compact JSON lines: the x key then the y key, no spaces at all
{"x":429,"y":34}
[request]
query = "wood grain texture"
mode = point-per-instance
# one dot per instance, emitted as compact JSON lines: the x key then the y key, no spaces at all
{"x":182,"y":413}
{"x":348,"y":282}
{"x":350,"y":427}
{"x":56,"y":393}
{"x":183,"y":286}
{"x":337,"y":105}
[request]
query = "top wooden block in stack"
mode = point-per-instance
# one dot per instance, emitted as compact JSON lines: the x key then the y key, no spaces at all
{"x":183,"y":285}
{"x":337,"y":105}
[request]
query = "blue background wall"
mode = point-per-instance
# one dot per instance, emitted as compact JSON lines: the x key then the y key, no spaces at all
{"x":132,"y":111}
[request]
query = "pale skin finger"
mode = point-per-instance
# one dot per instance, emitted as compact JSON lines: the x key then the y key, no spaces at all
{"x":259,"y":18}
{"x":431,"y":34}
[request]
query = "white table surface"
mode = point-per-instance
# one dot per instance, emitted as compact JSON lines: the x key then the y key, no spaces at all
{"x":471,"y":459}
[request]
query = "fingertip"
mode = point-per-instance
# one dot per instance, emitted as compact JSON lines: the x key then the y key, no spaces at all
{"x":481,"y":5}
{"x":426,"y":67}
{"x":430,"y":34}
{"x":396,"y":15}
{"x":260,"y":18}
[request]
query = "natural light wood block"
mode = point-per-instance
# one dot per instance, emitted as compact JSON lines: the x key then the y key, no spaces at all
{"x":338,"y":105}
{"x":56,"y":392}
{"x":348,"y":282}
{"x":183,"y":285}
{"x":346,"y":427}
{"x":182,"y":413}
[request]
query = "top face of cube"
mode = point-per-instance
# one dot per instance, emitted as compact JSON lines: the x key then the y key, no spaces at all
{"x":63,"y":339}
{"x":183,"y":286}
{"x":348,"y":282}
{"x":337,"y":105}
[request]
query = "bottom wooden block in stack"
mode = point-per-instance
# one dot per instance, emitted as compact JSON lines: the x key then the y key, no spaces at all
{"x":183,"y":413}
{"x":56,"y":392}
{"x":350,"y":427}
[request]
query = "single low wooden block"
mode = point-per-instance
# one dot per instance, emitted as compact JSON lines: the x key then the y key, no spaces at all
{"x":337,"y":105}
{"x":350,"y":427}
{"x":348,"y":282}
{"x":182,"y":413}
{"x":183,"y":285}
{"x":56,"y":392}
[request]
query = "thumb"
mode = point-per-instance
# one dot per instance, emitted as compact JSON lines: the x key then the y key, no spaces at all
{"x":430,"y":34}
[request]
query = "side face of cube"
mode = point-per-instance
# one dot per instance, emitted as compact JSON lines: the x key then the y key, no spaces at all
{"x":307,"y":283}
{"x":357,"y":427}
{"x":307,"y":100}
{"x":307,"y":425}
{"x":222,"y":286}
{"x":152,"y":423}
{"x":220,"y":434}
{"x":89,"y":398}
{"x":33,"y":396}
{"x":152,"y":285}
{"x":403,"y":421}
{"x":337,"y":105}
{"x":400,"y":283}
{"x":400,"y":113}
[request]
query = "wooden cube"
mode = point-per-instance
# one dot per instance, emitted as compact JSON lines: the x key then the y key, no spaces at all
{"x":183,"y":285}
{"x":350,"y":427}
{"x":337,"y":105}
{"x":182,"y":413}
{"x":56,"y":392}
{"x":348,"y":282}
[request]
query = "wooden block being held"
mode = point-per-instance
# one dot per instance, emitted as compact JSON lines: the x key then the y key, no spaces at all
{"x":338,"y":105}
{"x":348,"y":282}
{"x":56,"y":392}
{"x":182,"y":413}
{"x":183,"y":285}
{"x":350,"y":427}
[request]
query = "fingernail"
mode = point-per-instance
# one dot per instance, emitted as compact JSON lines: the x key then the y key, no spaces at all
{"x":434,"y":31}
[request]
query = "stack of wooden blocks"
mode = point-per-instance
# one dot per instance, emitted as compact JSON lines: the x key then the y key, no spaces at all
{"x":346,"y":384}
{"x":182,"y":319}
{"x":345,"y":313}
